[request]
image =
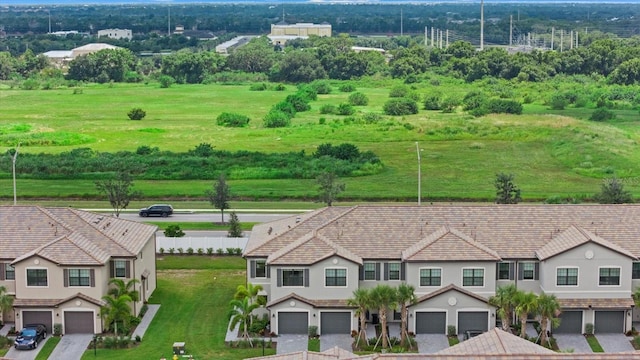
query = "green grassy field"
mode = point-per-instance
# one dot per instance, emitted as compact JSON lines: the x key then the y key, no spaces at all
{"x":551,"y":153}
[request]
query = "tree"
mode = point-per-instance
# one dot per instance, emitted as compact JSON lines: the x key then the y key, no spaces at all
{"x":121,"y":288}
{"x":219,"y":195}
{"x":526,"y":303}
{"x":506,"y":191}
{"x":6,"y":300}
{"x":613,"y":192}
{"x":383,"y":297}
{"x":241,"y":314}
{"x":329,"y":187}
{"x":116,"y":310}
{"x":504,"y":301}
{"x":256,"y":56}
{"x":119,"y":191}
{"x":406,"y":296}
{"x":235,"y":228}
{"x":361,"y":299}
{"x":250,"y":291}
{"x":136,"y":114}
{"x":299,"y":67}
{"x":549,"y":309}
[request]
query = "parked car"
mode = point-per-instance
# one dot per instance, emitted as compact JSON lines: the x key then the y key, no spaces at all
{"x":163,"y":210}
{"x":472,"y":333}
{"x":30,"y":336}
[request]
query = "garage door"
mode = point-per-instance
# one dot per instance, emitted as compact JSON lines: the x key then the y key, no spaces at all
{"x":473,"y":320}
{"x":78,"y":322}
{"x":609,"y":322}
{"x":570,"y":322}
{"x":335,"y":323}
{"x":293,"y":323}
{"x":38,"y":317}
{"x":431,"y":322}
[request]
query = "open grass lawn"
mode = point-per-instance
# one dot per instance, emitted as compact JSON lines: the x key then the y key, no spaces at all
{"x":550,"y":152}
{"x":194,"y":293}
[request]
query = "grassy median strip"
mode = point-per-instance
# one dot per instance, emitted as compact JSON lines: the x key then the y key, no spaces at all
{"x":203,"y":226}
{"x":594,"y":344}
{"x":47,"y":348}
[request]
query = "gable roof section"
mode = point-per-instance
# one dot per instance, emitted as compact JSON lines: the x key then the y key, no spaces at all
{"x":302,"y":355}
{"x":310,"y":249}
{"x":20,"y":302}
{"x":450,"y":287}
{"x":447,"y":244}
{"x":324,"y":303}
{"x":72,"y":249}
{"x":574,"y":237}
{"x":495,"y":341}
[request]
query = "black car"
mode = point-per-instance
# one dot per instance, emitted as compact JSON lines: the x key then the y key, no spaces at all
{"x":30,"y":336}
{"x":157,"y":210}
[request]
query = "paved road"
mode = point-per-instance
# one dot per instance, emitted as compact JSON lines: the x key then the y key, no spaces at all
{"x":208,"y":217}
{"x":72,"y":346}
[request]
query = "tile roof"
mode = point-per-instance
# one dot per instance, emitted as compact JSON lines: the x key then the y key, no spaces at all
{"x":301,"y":355}
{"x":450,"y":287}
{"x":326,"y":303}
{"x":340,"y":353}
{"x":496,"y":341}
{"x":19,"y":302}
{"x":69,"y":236}
{"x":308,"y":250}
{"x":554,"y":356}
{"x":574,"y":237}
{"x":446,"y":244}
{"x":608,"y":303}
{"x":512,"y":231}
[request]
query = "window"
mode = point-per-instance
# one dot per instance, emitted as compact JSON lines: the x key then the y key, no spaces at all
{"x":261,"y":269}
{"x":9,"y":272}
{"x":430,"y":277}
{"x":394,"y":271}
{"x":37,"y":277}
{"x":79,"y":277}
{"x":292,"y":277}
{"x":609,"y":276}
{"x":335,"y":277}
{"x":369,"y":271}
{"x":567,"y":277}
{"x":397,"y":315}
{"x":635,"y":272}
{"x":120,"y":267}
{"x":472,"y":277}
{"x":504,"y":269}
{"x":528,"y":270}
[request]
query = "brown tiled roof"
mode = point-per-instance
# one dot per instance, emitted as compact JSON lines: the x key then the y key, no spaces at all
{"x":324,"y":303}
{"x":447,"y":244}
{"x":512,"y":231}
{"x":496,"y":341}
{"x":69,"y":236}
{"x":301,"y":355}
{"x":340,"y":353}
{"x":20,"y":303}
{"x":608,"y":303}
{"x":450,"y":287}
{"x":574,"y":237}
{"x":310,"y":249}
{"x":554,"y":356}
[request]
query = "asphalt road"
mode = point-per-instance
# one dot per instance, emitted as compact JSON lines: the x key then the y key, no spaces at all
{"x":180,"y":216}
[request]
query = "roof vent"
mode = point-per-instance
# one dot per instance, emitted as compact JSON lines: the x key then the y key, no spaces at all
{"x":297,"y":219}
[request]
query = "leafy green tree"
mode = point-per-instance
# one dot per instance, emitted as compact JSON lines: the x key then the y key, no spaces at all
{"x":256,"y":56}
{"x":384,"y":297}
{"x":190,"y":67}
{"x":277,"y":119}
{"x":120,"y":288}
{"x":250,"y":291}
{"x":118,"y":190}
{"x":358,"y":99}
{"x":613,"y":192}
{"x":116,"y":310}
{"x":8,"y":65}
{"x":405,"y":297}
{"x":299,"y":67}
{"x":136,"y":114}
{"x":173,"y":231}
{"x":241,"y":310}
{"x":506,"y":190}
{"x":627,"y":73}
{"x":526,"y":303}
{"x":235,"y":228}
{"x":400,"y":106}
{"x":361,"y":299}
{"x":548,"y":309}
{"x":329,"y":187}
{"x":6,"y":300}
{"x":102,"y":66}
{"x":504,"y":301}
{"x":219,"y":196}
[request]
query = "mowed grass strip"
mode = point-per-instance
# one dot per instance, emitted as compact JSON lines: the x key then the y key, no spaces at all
{"x":194,"y":293}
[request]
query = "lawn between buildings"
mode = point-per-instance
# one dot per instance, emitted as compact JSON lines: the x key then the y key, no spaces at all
{"x":194,"y":294}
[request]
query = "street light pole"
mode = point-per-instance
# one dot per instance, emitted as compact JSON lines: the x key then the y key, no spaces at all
{"x":419,"y":174}
{"x":13,"y":160}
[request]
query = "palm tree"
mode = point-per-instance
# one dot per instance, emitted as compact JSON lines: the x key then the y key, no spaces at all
{"x":250,"y":291}
{"x":362,"y":301}
{"x":122,"y":288}
{"x":116,"y":310}
{"x":6,"y":301}
{"x":503,"y":300}
{"x":526,"y":303}
{"x":241,"y":314}
{"x":406,"y":296}
{"x":383,"y":297}
{"x":549,"y":309}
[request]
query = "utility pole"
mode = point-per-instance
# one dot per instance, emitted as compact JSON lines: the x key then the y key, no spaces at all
{"x":433,"y":37}
{"x":419,"y":175}
{"x":481,"y":24}
{"x":14,"y":157}
{"x":169,"y":21}
{"x":561,"y":40}
{"x":510,"y":30}
{"x":401,"y":25}
{"x":553,"y":31}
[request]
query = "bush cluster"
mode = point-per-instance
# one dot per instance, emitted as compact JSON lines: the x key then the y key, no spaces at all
{"x":400,"y":106}
{"x":200,"y":251}
{"x":232,"y":120}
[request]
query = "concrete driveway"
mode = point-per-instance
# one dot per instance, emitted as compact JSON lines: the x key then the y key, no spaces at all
{"x":25,"y":354}
{"x":431,"y":343}
{"x":613,"y":343}
{"x":72,"y":346}
{"x":329,"y":341}
{"x":577,"y":342}
{"x":292,"y":343}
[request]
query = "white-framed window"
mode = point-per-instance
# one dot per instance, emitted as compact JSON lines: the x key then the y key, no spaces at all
{"x":292,"y":277}
{"x":528,"y":270}
{"x":335,"y":277}
{"x":431,"y":277}
{"x":120,"y":268}
{"x":37,"y":277}
{"x":567,"y":276}
{"x":261,"y":268}
{"x":609,"y":276}
{"x":394,"y":271}
{"x":473,"y":277}
{"x":9,"y":272}
{"x":79,"y":277}
{"x":369,"y":270}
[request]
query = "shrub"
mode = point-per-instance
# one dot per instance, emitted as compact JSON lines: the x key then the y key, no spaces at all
{"x":30,"y":84}
{"x":286,"y":107}
{"x":322,"y":121}
{"x":172,"y":251}
{"x":558,"y":102}
{"x":276,"y":119}
{"x":399,"y":91}
{"x":602,"y":114}
{"x":209,"y":251}
{"x":220,"y":251}
{"x":321,"y":87}
{"x":358,"y":99}
{"x":372,"y":118}
{"x":258,"y":87}
{"x":180,"y":251}
{"x":588,"y":328}
{"x":161,"y":251}
{"x":57,"y":329}
{"x":473,"y":100}
{"x":132,"y":77}
{"x":200,"y":251}
{"x":231,"y":251}
{"x":190,"y":251}
{"x":138,"y":338}
{"x":400,"y":106}
{"x":232,"y":120}
{"x":143,"y":310}
{"x":328,"y":109}
{"x":432,"y":102}
{"x":449,"y":104}
{"x":347,"y":88}
{"x":308,"y":91}
{"x":451,"y":330}
{"x":504,"y":106}
{"x":173,"y":231}
{"x":166,"y":81}
{"x":238,"y":251}
{"x":279,"y":87}
{"x":299,"y":102}
{"x":136,"y":114}
{"x":313,"y":331}
{"x":345,"y":109}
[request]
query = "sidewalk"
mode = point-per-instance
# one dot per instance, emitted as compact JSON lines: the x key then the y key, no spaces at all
{"x":146,"y":321}
{"x":5,"y":329}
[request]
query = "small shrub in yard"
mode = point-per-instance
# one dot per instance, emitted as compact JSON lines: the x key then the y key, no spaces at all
{"x":276,"y":119}
{"x":200,"y":251}
{"x":372,"y":118}
{"x":166,"y":81}
{"x":173,"y":231}
{"x":172,"y":251}
{"x":231,"y":251}
{"x":190,"y":251}
{"x":504,"y":106}
{"x":451,"y":330}
{"x":313,"y":331}
{"x":286,"y":107}
{"x":400,"y":106}
{"x":220,"y":251}
{"x":232,"y":120}
{"x":238,"y":251}
{"x":136,"y":114}
{"x":346,"y":109}
{"x":279,"y":87}
{"x":358,"y":99}
{"x":602,"y":114}
{"x":180,"y":251}
{"x":161,"y":251}
{"x":209,"y":251}
{"x":57,"y":329}
{"x":588,"y":329}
